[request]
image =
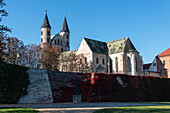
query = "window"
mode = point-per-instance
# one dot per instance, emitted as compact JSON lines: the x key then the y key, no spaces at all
{"x":103,"y":61}
{"x":41,"y":40}
{"x":61,"y":43}
{"x":136,"y":59}
{"x":164,"y":71}
{"x":80,"y":61}
{"x":48,"y":40}
{"x":116,"y":64}
{"x":67,"y":43}
{"x":128,"y":64}
{"x":48,"y":33}
{"x":61,"y":49}
{"x":161,"y":71}
{"x":41,"y":33}
{"x":111,"y":70}
{"x":85,"y":59}
{"x":68,"y":36}
{"x":164,"y":62}
{"x":160,"y":62}
{"x":55,"y":41}
{"x":97,"y":60}
{"x":154,"y":64}
{"x":58,"y":41}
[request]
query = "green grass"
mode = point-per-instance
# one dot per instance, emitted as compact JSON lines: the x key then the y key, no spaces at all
{"x":17,"y":110}
{"x":136,"y":109}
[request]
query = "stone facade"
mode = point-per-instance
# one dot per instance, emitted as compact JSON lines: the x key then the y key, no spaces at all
{"x":119,"y":56}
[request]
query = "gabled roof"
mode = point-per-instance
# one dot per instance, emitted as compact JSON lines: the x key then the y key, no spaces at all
{"x":97,"y":46}
{"x":121,"y":45}
{"x":65,"y":26}
{"x":146,"y":66}
{"x":54,"y":36}
{"x":165,"y":53}
{"x":46,"y":23}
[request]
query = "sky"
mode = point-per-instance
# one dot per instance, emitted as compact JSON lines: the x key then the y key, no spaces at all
{"x":145,"y":22}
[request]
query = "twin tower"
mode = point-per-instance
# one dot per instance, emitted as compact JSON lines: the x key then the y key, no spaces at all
{"x":61,"y":40}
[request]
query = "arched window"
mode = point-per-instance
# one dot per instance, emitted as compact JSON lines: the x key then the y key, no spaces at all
{"x":67,"y":43}
{"x":85,"y":59}
{"x":48,"y":33}
{"x":41,"y":33}
{"x":61,"y":49}
{"x":136,"y":59}
{"x":68,"y":36}
{"x":97,"y":60}
{"x":55,"y":42}
{"x":41,"y":40}
{"x":61,"y":43}
{"x":116,"y":65}
{"x":103,"y":61}
{"x":58,"y":41}
{"x":128,"y":64}
{"x":111,"y":70}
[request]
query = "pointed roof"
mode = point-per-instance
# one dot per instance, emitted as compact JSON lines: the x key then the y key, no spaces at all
{"x":165,"y":53}
{"x":65,"y":26}
{"x":121,"y":45}
{"x":46,"y":23}
{"x":97,"y":46}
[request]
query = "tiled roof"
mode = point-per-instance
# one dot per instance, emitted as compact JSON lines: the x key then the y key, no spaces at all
{"x":121,"y":45}
{"x":146,"y":66}
{"x":65,"y":26}
{"x":165,"y":53}
{"x":97,"y":46}
{"x":46,"y":23}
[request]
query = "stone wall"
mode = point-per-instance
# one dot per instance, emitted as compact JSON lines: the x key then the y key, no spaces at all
{"x":39,"y":90}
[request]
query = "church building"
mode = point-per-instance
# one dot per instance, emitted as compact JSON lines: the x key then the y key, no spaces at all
{"x":118,"y":56}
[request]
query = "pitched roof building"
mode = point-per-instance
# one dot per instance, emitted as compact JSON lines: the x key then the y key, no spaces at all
{"x":119,"y":56}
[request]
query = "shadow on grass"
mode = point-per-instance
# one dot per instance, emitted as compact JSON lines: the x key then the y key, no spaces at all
{"x":17,"y":110}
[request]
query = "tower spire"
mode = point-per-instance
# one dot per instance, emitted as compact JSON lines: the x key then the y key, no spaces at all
{"x":65,"y":26}
{"x":46,"y":23}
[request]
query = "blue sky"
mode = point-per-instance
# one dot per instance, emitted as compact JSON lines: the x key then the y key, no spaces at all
{"x":145,"y":22}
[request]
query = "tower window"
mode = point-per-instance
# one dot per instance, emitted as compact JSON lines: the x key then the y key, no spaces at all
{"x":67,"y":36}
{"x":48,"y":40}
{"x":103,"y":61}
{"x":97,"y":60}
{"x":67,"y":43}
{"x":48,"y":33}
{"x":41,"y":40}
{"x":41,"y":33}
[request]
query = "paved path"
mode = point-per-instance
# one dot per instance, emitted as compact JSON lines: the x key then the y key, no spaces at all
{"x":76,"y":107}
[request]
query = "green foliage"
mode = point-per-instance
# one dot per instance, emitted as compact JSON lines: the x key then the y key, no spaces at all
{"x":13,"y":82}
{"x":17,"y":110}
{"x":136,"y":109}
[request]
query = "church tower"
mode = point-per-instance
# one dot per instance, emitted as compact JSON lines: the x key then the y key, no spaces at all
{"x":65,"y":35}
{"x":45,"y":30}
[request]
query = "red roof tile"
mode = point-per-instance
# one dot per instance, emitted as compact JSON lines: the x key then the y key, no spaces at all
{"x":165,"y":53}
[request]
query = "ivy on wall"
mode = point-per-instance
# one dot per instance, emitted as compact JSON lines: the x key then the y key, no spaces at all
{"x":13,"y":82}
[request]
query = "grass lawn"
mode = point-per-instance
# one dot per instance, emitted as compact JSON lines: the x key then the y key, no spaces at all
{"x":17,"y":110}
{"x":136,"y":109}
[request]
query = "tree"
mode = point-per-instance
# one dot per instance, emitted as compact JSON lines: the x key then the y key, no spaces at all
{"x":49,"y":57}
{"x":3,"y":30}
{"x":71,"y":62}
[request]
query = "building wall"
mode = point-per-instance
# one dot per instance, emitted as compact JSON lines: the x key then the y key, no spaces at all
{"x":153,"y":66}
{"x":164,"y":68}
{"x":100,"y":57}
